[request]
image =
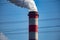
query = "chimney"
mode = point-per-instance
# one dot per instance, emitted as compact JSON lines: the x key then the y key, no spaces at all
{"x":33,"y":25}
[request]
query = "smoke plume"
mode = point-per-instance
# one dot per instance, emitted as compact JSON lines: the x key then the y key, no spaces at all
{"x":29,"y":4}
{"x":3,"y":37}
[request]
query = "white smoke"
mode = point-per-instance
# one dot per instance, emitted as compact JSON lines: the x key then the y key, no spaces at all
{"x":3,"y":37}
{"x":30,"y":4}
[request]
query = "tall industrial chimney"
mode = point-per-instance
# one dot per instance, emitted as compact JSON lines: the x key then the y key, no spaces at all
{"x":33,"y":25}
{"x":33,"y":16}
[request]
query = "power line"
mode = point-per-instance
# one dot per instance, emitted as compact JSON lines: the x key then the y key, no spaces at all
{"x":24,"y":29}
{"x":49,"y":19}
{"x":50,"y":26}
{"x":24,"y":21}
{"x":28,"y":32}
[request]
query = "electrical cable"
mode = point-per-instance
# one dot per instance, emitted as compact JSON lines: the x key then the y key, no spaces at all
{"x":24,"y":29}
{"x":24,"y":21}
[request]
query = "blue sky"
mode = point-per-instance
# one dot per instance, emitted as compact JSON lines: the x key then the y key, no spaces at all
{"x":14,"y":20}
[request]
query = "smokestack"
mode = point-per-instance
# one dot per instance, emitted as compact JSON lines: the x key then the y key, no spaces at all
{"x":33,"y":16}
{"x":33,"y":25}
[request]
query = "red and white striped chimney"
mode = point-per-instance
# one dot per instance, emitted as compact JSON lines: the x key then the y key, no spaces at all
{"x":33,"y":25}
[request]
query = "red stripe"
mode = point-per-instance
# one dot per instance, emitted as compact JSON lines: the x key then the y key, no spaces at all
{"x":32,"y":39}
{"x":33,"y":14}
{"x":33,"y":28}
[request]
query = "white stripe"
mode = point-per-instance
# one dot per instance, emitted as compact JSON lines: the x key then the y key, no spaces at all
{"x":33,"y":21}
{"x":33,"y":35}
